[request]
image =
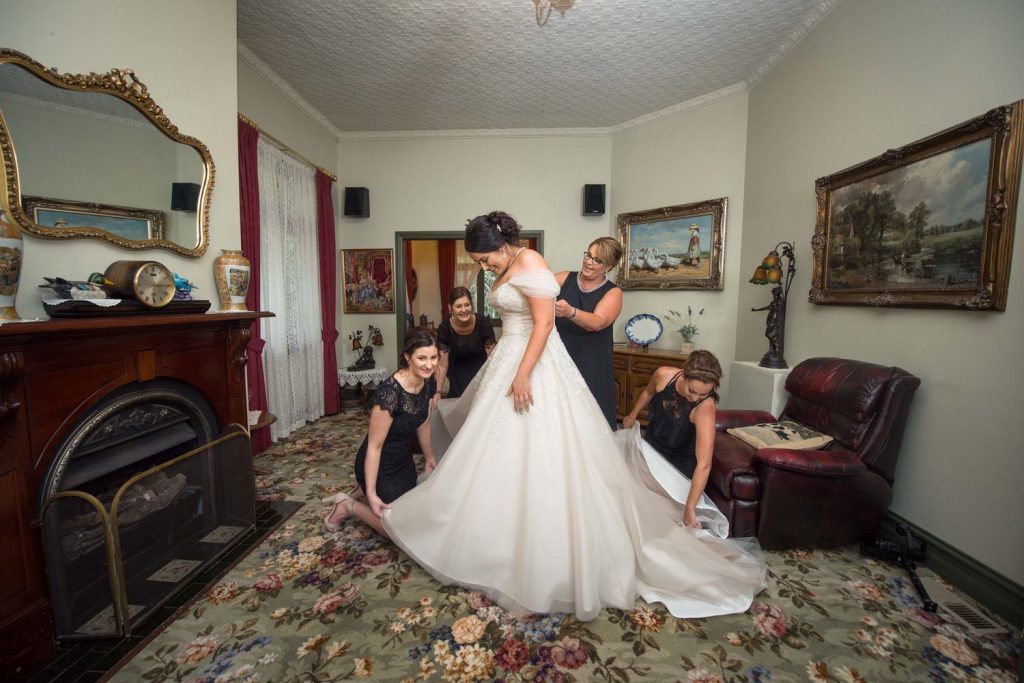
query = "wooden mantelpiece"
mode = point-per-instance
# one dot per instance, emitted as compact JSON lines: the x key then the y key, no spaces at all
{"x":51,"y":374}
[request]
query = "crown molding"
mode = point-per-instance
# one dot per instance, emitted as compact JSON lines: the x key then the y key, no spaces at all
{"x":478,"y":133}
{"x":806,"y":24}
{"x":144,"y":124}
{"x":263,"y":69}
{"x":689,"y":105}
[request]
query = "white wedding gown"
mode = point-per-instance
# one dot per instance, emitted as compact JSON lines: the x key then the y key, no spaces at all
{"x":542,"y":510}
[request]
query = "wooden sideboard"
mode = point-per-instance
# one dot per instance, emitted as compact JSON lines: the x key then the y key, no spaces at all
{"x":633,"y":369}
{"x":51,"y":374}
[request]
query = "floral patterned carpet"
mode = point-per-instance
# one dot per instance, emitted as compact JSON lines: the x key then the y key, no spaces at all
{"x":307,"y":605}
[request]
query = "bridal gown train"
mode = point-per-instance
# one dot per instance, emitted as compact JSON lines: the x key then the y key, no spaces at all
{"x":542,"y":510}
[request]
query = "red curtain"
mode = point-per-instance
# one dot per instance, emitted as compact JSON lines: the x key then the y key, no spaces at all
{"x":328,"y":289}
{"x":407,"y":258}
{"x":446,"y":271}
{"x":249,"y":201}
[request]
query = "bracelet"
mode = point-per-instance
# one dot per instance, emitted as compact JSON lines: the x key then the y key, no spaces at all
{"x":573,"y":316}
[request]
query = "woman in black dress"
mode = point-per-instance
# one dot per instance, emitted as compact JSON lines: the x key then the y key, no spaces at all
{"x":587,"y":306}
{"x":464,"y":340}
{"x":384,"y":464}
{"x":681,"y":428}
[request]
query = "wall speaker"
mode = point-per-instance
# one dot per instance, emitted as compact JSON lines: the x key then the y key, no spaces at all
{"x":593,"y":200}
{"x":357,"y":202}
{"x":184,"y":196}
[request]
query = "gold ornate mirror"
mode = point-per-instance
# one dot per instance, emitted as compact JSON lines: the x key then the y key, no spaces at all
{"x":94,"y":156}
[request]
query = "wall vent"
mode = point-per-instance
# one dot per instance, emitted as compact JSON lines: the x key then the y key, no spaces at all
{"x":962,"y":612}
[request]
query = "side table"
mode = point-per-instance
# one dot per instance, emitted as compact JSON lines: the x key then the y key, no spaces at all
{"x":361,"y":379}
{"x":752,"y":387}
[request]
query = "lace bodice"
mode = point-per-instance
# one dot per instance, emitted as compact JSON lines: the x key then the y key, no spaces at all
{"x":509,"y":299}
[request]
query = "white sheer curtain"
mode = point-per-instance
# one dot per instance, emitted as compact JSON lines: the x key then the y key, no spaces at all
{"x":290,"y":288}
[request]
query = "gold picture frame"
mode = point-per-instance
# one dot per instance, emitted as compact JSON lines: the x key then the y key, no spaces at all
{"x":120,"y":221}
{"x":929,"y":224}
{"x":674,"y":247}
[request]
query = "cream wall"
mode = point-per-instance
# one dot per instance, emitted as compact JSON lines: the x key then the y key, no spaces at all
{"x":875,"y":75}
{"x":440,"y":183}
{"x":185,"y":53}
{"x":261,"y":101}
{"x":690,"y":157}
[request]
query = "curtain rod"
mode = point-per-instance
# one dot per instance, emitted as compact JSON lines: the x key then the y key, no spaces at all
{"x":285,"y":148}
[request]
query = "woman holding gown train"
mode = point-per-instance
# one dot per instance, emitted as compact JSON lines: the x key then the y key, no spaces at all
{"x":677,"y":446}
{"x":534,"y":503}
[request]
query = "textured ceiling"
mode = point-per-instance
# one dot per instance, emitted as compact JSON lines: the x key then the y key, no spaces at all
{"x":441,"y":65}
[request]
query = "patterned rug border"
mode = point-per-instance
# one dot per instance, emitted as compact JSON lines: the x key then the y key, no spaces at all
{"x":155,"y":633}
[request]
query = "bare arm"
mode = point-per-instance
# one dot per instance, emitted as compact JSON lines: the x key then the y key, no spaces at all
{"x":605,"y":313}
{"x":543,"y":313}
{"x":658,"y":381}
{"x":380,"y":423}
{"x":703,"y":418}
{"x":442,"y":369}
{"x":423,"y":434}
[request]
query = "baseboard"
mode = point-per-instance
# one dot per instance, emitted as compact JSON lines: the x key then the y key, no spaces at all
{"x":993,"y":590}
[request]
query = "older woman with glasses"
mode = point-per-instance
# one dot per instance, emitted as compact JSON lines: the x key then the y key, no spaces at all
{"x":587,"y":306}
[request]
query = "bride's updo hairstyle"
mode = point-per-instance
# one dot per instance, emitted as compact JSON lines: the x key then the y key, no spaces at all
{"x":703,"y":366}
{"x":491,"y":232}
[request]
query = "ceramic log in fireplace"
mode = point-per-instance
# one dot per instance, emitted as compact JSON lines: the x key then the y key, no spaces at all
{"x":52,"y":375}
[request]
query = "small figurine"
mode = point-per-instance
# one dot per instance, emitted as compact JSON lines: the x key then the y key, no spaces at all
{"x":365,"y":361}
{"x":374,"y":335}
{"x":183,"y":288}
{"x":93,"y":288}
{"x":357,"y":340}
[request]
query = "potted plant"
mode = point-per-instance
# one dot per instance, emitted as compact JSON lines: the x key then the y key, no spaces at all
{"x":685,"y":326}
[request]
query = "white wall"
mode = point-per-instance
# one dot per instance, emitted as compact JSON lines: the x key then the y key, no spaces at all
{"x":690,"y":157}
{"x":185,"y":53}
{"x":440,"y":183}
{"x":261,"y":101}
{"x":428,"y":278}
{"x":874,"y":75}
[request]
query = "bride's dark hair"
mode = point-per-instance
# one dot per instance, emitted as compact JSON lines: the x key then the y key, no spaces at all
{"x":491,"y":232}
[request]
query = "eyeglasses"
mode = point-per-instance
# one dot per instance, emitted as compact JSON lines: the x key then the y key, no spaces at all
{"x":588,"y":257}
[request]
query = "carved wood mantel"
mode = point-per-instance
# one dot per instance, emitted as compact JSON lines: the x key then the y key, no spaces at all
{"x":51,"y":374}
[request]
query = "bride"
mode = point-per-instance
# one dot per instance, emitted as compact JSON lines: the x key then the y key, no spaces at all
{"x":534,"y":503}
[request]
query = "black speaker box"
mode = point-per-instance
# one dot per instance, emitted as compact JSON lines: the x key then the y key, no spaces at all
{"x":184,"y":196}
{"x":357,"y":202}
{"x":593,"y":200}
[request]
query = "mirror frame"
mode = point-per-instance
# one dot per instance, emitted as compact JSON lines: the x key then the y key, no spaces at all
{"x":121,"y":83}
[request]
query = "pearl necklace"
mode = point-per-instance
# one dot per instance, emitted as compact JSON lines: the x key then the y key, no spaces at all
{"x":585,"y":290}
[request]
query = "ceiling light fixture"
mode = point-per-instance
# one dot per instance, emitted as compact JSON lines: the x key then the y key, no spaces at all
{"x":543,"y":8}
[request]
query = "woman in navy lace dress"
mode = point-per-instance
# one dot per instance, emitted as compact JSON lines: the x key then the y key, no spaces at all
{"x":384,"y":465}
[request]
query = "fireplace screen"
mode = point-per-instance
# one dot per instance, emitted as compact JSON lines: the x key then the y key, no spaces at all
{"x":116,"y":553}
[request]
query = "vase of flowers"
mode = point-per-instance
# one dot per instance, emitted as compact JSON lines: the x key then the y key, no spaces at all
{"x":685,"y":326}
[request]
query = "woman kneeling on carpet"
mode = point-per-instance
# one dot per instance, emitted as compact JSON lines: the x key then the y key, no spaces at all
{"x":677,"y":446}
{"x":384,"y":464}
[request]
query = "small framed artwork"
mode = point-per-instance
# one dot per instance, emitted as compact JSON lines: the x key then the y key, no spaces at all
{"x":121,"y":221}
{"x":368,"y":280}
{"x":929,"y":224}
{"x":676,"y":247}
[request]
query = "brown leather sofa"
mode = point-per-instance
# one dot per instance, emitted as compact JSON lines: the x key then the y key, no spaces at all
{"x":817,"y":498}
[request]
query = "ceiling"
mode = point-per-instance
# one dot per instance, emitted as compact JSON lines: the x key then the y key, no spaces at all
{"x":366,"y":67}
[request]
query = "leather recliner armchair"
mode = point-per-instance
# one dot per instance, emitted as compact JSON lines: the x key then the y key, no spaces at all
{"x":817,"y":498}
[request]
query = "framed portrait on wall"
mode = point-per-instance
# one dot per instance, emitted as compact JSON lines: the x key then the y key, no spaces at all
{"x":368,"y":283}
{"x":675,"y":247}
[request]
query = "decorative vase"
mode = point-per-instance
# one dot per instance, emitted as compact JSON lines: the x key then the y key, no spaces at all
{"x":231,"y":271}
{"x":11,"y":252}
{"x":687,"y":347}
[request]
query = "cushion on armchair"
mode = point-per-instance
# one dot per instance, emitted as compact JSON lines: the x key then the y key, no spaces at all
{"x":785,"y":434}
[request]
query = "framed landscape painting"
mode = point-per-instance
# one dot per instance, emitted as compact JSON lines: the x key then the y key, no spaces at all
{"x":927,"y":225}
{"x":368,"y":280}
{"x":675,"y":247}
{"x":122,"y":221}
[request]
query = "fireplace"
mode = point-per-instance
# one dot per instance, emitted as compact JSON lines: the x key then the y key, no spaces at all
{"x":139,"y":499}
{"x":135,"y":413}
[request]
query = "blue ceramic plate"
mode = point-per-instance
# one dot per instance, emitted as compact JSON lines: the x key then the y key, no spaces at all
{"x":643,"y":329}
